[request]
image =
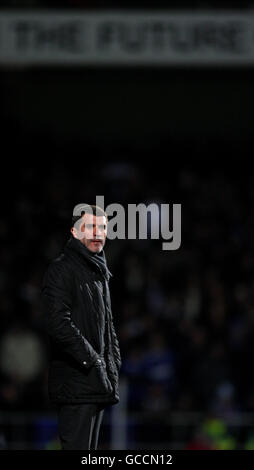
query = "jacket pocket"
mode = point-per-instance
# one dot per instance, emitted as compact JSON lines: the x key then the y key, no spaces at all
{"x":79,"y":384}
{"x":100,"y":378}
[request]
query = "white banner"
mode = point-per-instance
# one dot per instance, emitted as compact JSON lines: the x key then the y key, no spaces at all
{"x":126,"y":38}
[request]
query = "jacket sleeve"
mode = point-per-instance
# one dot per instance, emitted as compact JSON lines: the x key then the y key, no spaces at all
{"x":115,"y":343}
{"x":116,"y":347}
{"x":57,"y":302}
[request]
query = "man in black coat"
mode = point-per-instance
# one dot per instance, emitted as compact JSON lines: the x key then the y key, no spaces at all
{"x":85,"y":357}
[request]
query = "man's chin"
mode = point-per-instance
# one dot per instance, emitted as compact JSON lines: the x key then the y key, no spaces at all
{"x":95,"y":247}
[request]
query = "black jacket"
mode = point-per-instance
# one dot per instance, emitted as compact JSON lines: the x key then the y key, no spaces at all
{"x":79,"y":322}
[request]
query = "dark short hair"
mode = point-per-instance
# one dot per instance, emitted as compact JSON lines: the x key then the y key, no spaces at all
{"x":86,"y":209}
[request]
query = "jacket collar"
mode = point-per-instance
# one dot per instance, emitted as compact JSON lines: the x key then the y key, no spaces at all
{"x":98,"y":260}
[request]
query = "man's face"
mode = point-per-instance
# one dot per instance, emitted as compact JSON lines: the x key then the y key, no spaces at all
{"x":93,"y":232}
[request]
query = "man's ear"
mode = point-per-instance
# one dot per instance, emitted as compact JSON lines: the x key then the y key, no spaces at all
{"x":77,"y":233}
{"x":74,"y":232}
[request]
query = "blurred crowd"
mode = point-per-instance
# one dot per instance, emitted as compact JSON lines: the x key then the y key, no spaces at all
{"x":184,"y":318}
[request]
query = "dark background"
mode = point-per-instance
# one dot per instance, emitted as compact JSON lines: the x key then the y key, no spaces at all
{"x":184,"y":318}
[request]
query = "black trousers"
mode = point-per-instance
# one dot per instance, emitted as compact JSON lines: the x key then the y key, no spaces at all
{"x":79,"y":425}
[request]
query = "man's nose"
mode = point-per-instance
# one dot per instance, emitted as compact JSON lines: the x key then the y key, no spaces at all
{"x":97,"y":231}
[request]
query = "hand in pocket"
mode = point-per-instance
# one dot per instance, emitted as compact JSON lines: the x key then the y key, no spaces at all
{"x":100,"y":367}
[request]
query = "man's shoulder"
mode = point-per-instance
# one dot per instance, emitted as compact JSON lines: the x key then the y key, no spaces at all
{"x":59,"y":260}
{"x":59,"y":265}
{"x":58,"y":273}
